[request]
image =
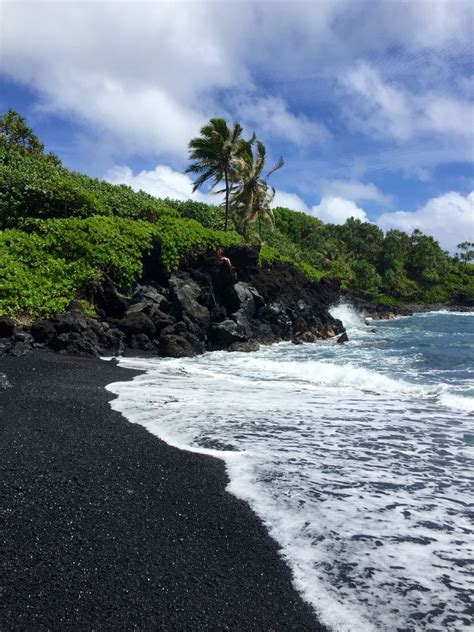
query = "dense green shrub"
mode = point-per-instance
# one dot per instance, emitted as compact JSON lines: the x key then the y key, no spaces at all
{"x":33,"y":281}
{"x":183,"y":238}
{"x":49,"y":262}
{"x":208,"y":215}
{"x":33,"y":186}
{"x":268,"y":255}
{"x":111,"y":245}
{"x":61,"y":232}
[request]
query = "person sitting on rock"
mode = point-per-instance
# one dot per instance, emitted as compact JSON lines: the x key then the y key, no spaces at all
{"x":221,"y":257}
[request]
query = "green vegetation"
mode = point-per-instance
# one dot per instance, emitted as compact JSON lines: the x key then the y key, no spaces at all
{"x":62,"y":233}
{"x":252,"y":196}
{"x":215,"y":152}
{"x":220,"y":155}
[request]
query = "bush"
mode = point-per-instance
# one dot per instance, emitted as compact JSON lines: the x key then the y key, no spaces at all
{"x":183,"y":239}
{"x":268,"y":255}
{"x":34,"y":186}
{"x":208,"y":215}
{"x":34,"y":282}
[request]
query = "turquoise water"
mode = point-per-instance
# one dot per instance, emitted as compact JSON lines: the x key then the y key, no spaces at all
{"x":358,"y":458}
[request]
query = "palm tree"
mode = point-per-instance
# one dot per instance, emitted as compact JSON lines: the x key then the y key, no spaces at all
{"x":214,"y":153}
{"x":252,"y":196}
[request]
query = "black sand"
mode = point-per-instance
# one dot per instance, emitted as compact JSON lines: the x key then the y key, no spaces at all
{"x":104,"y":527}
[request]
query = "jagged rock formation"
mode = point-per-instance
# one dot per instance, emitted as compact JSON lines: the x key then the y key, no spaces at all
{"x":206,"y":306}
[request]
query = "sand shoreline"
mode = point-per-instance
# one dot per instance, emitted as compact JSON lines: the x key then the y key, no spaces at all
{"x":108,"y":528}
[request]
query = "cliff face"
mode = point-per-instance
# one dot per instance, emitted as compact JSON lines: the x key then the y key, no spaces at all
{"x":207,"y":305}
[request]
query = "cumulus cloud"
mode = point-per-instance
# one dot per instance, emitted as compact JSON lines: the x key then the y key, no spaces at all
{"x":272,"y":117}
{"x":336,"y":210}
{"x":161,"y":182}
{"x":354,"y":190}
{"x":289,"y":200}
{"x":386,"y":109}
{"x":449,"y":218}
{"x":149,"y":73}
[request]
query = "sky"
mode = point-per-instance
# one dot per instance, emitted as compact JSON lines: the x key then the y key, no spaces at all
{"x":368,"y":101}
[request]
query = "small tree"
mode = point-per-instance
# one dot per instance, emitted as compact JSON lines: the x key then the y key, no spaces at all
{"x":467,"y":251}
{"x":14,"y":132}
{"x":214,"y":153}
{"x":252,"y":196}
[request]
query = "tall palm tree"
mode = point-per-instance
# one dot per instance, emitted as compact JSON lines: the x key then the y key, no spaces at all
{"x":214,"y":153}
{"x":253,"y":195}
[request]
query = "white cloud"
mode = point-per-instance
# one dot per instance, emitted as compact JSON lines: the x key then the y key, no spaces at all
{"x":272,"y":117}
{"x":354,"y":190}
{"x":289,"y":200}
{"x":449,"y":218}
{"x":336,"y":210}
{"x":388,"y":110}
{"x":148,"y":73}
{"x":162,"y":182}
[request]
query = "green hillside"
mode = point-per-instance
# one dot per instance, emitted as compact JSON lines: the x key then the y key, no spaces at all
{"x":62,"y":233}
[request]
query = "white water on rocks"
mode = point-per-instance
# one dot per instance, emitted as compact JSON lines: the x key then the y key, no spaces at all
{"x":358,"y":458}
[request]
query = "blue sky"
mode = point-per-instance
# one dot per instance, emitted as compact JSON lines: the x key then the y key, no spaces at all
{"x":369,"y":102}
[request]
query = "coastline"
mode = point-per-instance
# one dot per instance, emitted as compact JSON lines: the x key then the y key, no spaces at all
{"x":107,"y":527}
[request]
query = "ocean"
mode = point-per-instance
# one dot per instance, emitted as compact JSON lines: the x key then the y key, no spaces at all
{"x":359,"y":459}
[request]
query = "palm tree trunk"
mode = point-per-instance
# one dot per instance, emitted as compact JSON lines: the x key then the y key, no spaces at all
{"x":226,"y":220}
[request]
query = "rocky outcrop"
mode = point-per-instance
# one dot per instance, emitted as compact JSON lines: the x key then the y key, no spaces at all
{"x":206,"y":306}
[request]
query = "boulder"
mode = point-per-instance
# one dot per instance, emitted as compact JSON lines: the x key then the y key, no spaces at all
{"x":281,"y":323}
{"x":24,"y":336}
{"x":305,"y":336}
{"x":72,"y":321}
{"x":7,"y":327}
{"x":227,"y":332}
{"x":149,"y":294}
{"x":137,"y":323}
{"x":176,"y":346}
{"x":74,"y":343}
{"x":342,"y":339}
{"x":159,"y":319}
{"x":112,"y":340}
{"x":142,"y":342}
{"x":239,"y":297}
{"x":245,"y":347}
{"x":185,"y":294}
{"x":137,"y":307}
{"x":243,"y":297}
{"x":110,"y":301}
{"x":42,"y":330}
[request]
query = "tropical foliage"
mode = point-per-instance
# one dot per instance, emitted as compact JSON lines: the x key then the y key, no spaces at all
{"x":214,"y":153}
{"x":252,"y":196}
{"x":220,"y":154}
{"x":62,"y":233}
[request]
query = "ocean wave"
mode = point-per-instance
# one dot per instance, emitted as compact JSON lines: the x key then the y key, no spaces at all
{"x":442,"y":312}
{"x":347,"y":375}
{"x":457,"y":402}
{"x":350,"y":317}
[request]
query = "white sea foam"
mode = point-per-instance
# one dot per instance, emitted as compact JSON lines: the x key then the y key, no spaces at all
{"x":351,"y":318}
{"x":359,"y":468}
{"x":458,"y":402}
{"x":443,"y":312}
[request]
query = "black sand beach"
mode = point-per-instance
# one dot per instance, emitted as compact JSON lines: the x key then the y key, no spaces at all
{"x":104,"y":527}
